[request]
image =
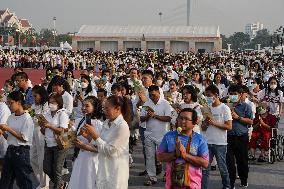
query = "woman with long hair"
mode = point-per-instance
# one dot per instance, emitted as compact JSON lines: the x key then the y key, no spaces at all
{"x":112,"y":145}
{"x":83,"y":92}
{"x":86,"y":164}
{"x":273,"y":96}
{"x":37,"y":150}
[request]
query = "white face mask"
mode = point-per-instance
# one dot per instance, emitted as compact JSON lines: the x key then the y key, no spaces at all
{"x":84,"y":85}
{"x":53,"y":107}
{"x":273,"y":87}
{"x":159,"y":82}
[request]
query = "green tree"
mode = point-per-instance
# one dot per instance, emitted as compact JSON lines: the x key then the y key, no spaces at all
{"x":262,"y":37}
{"x":63,"y":38}
{"x":225,"y":41}
{"x":239,"y":40}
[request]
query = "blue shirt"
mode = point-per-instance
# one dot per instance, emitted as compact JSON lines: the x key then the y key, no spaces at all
{"x":28,"y":95}
{"x":239,"y":128}
{"x":198,"y":145}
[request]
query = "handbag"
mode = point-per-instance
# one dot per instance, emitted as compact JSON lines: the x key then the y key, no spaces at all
{"x":179,"y":170}
{"x":66,"y":139}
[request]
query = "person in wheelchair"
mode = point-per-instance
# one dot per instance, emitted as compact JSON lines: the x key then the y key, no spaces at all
{"x":262,"y":128}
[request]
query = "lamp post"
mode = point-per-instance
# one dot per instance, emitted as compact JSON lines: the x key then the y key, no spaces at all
{"x":229,"y":48}
{"x":280,"y":37}
{"x":160,"y":15}
{"x":54,"y":29}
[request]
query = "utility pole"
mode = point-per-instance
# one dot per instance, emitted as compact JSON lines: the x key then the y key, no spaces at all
{"x":54,"y":29}
{"x":188,"y":12}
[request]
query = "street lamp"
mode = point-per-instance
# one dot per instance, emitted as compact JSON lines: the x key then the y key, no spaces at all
{"x":160,"y":15}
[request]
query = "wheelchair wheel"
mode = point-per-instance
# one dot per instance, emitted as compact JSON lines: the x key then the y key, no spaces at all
{"x":271,"y":156}
{"x":280,"y":148}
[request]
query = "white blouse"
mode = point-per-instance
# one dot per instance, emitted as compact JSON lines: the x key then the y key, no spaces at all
{"x":113,"y":149}
{"x":60,"y":119}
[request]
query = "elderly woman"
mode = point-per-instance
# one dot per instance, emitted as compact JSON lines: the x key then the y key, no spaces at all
{"x":112,"y":145}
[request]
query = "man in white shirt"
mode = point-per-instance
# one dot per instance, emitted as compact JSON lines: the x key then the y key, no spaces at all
{"x":156,"y":113}
{"x":215,"y":129}
{"x":58,"y":87}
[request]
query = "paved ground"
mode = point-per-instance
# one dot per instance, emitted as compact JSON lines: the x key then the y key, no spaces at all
{"x":261,"y":175}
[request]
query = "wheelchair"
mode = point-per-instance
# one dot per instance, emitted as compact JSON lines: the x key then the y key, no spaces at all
{"x":276,"y":146}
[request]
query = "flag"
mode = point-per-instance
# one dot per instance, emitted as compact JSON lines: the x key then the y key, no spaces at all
{"x":24,"y":41}
{"x":34,"y":40}
{"x":11,"y":40}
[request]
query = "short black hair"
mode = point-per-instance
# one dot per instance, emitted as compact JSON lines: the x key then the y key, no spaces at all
{"x":17,"y":96}
{"x":153,"y":88}
{"x":102,"y":91}
{"x":22,"y":75}
{"x":235,"y":89}
{"x":194,"y":114}
{"x":148,"y":72}
{"x":213,"y":89}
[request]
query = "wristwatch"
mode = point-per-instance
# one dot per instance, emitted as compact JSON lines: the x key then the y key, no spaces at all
{"x":239,"y":118}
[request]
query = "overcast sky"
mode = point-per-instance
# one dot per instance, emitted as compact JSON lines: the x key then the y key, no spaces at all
{"x":230,"y":15}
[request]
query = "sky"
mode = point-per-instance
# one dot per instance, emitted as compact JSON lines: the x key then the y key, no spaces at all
{"x":230,"y":15}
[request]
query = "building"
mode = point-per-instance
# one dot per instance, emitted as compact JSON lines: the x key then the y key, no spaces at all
{"x":252,"y":29}
{"x":9,"y":19}
{"x":148,"y":38}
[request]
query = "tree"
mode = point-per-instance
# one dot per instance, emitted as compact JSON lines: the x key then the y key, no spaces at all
{"x":63,"y":38}
{"x":225,"y":41}
{"x":239,"y":40}
{"x":262,"y":37}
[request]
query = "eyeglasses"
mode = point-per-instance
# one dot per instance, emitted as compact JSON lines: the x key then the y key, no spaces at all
{"x":184,"y":118}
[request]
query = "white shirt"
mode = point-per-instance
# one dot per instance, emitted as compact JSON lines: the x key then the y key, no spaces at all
{"x":67,"y":102}
{"x":196,"y":106}
{"x":222,"y":90}
{"x":22,"y":124}
{"x":113,"y":149}
{"x":156,"y":128}
{"x":216,"y":135}
{"x":273,"y":100}
{"x":4,"y":113}
{"x":60,"y":119}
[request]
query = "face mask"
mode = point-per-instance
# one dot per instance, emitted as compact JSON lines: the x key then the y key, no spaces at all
{"x":246,"y":100}
{"x":119,"y":74}
{"x":253,"y":86}
{"x":234,"y":98}
{"x":84,"y":85}
{"x":210,"y":100}
{"x":53,"y":107}
{"x":91,"y":75}
{"x":279,"y":64}
{"x":159,"y":82}
{"x":273,"y":87}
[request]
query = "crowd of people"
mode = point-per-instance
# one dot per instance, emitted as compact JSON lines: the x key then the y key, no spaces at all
{"x":191,"y":112}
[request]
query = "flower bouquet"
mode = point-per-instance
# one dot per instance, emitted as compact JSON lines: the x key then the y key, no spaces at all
{"x":137,"y":86}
